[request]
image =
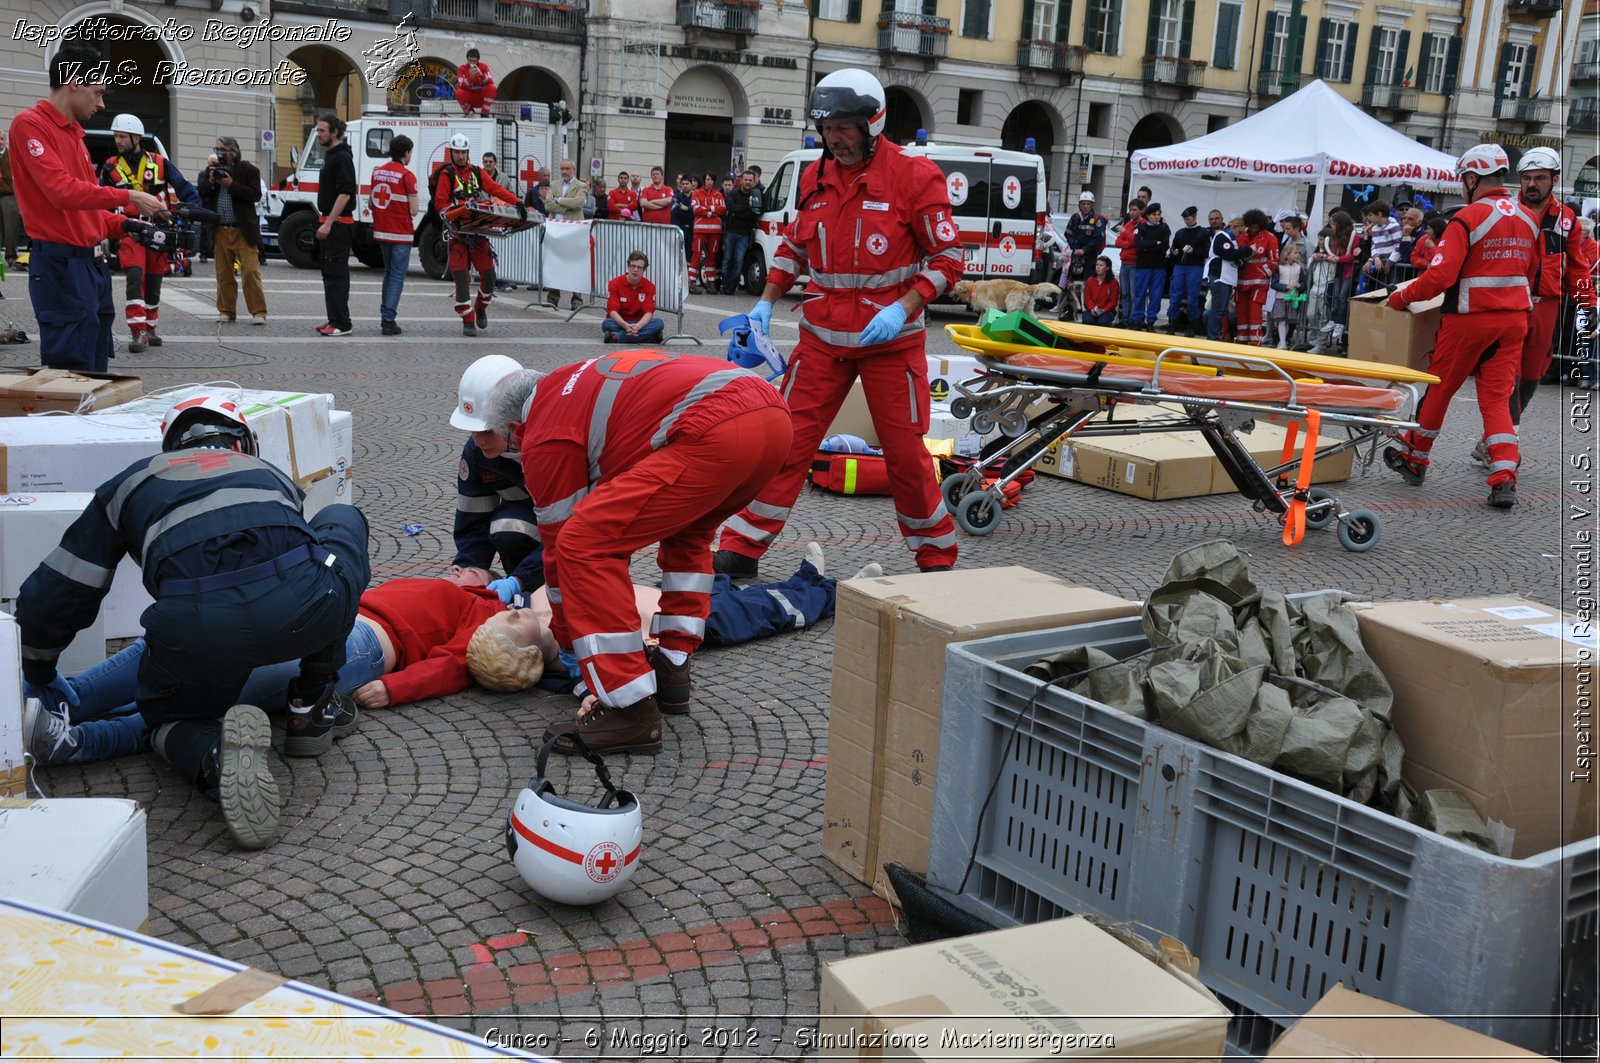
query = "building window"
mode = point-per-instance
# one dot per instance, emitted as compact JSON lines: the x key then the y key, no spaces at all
{"x":975,"y":15}
{"x":1277,"y":44}
{"x":1169,"y":28}
{"x":969,"y":107}
{"x":1044,"y":21}
{"x":1335,"y":49}
{"x":1513,"y":70}
{"x":1434,"y":62}
{"x":1387,"y":56}
{"x":839,"y":10}
{"x":1103,"y":28}
{"x":1225,"y":53}
{"x":1215,"y":122}
{"x":1099,"y":119}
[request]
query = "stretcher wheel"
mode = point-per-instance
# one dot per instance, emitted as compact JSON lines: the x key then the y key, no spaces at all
{"x":1013,"y":423}
{"x":1321,"y":518}
{"x":1360,"y":531}
{"x":982,"y":423}
{"x":979,"y":511}
{"x":961,"y":407}
{"x":957,"y":486}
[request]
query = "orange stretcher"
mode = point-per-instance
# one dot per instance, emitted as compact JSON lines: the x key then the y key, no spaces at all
{"x":483,"y":217}
{"x":1037,"y":396}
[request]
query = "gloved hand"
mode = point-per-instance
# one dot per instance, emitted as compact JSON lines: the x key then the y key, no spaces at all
{"x":507,"y":588}
{"x":569,"y":661}
{"x":1397,"y":300}
{"x":522,"y":212}
{"x":760,"y":317}
{"x":885,"y":326}
{"x":56,"y":692}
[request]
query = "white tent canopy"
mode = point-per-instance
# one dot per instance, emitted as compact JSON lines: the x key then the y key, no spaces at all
{"x":1312,"y":135}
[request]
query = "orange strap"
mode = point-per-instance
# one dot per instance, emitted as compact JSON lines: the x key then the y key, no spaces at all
{"x":1294,"y":521}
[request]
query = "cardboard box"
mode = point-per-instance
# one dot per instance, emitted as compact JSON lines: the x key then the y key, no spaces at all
{"x":85,"y":974}
{"x":83,"y":855}
{"x":853,"y":417}
{"x":39,"y":390}
{"x":337,"y":484}
{"x":31,"y":526}
{"x":1064,"y":989}
{"x":1394,"y":337}
{"x":13,"y":772}
{"x":890,"y":635}
{"x":1481,"y":701}
{"x":945,"y":373}
{"x":942,"y":424}
{"x":1346,"y":1026}
{"x":1173,"y":464}
{"x":70,"y":453}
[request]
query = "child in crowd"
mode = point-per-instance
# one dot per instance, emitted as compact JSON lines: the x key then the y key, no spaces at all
{"x":1101,"y":293}
{"x":1288,"y":280}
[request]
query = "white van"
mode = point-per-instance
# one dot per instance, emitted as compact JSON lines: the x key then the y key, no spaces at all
{"x":998,"y":196}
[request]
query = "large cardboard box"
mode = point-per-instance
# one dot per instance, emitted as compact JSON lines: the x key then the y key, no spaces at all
{"x":64,"y":390}
{"x":1064,"y":989}
{"x":70,"y":453}
{"x":96,"y":991}
{"x":946,"y":372}
{"x":31,"y":526}
{"x":890,"y":635}
{"x":1482,"y":702}
{"x":1346,"y":1026}
{"x":1165,"y":465}
{"x":83,"y":855}
{"x":1394,"y":337}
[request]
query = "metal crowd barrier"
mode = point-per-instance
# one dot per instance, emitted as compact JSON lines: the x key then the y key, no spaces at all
{"x":520,"y":256}
{"x":611,"y":242}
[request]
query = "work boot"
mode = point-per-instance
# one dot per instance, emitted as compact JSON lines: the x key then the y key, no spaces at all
{"x":734,"y":566}
{"x":672,"y":682}
{"x":468,"y":329}
{"x":634,"y":729}
{"x":482,"y":318}
{"x":553,"y":300}
{"x":151,"y":339}
{"x":237,"y":774}
{"x":1409,"y":471}
{"x":311,"y":730}
{"x":1480,"y":455}
{"x":136,"y":344}
{"x":390,"y":328}
{"x":1503,"y":495}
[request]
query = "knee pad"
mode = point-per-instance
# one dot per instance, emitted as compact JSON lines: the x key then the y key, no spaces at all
{"x":463,"y":279}
{"x":134,"y":281}
{"x":152,"y":289}
{"x":486,"y":280}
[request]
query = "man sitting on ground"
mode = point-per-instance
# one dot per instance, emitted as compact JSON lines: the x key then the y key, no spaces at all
{"x":631,"y":305}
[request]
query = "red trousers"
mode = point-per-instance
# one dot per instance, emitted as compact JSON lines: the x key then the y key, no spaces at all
{"x":1538,"y":350}
{"x":476,"y":99}
{"x":896,"y":387}
{"x":142,"y":270}
{"x":1488,"y":345}
{"x":1249,"y":299}
{"x":676,"y":496}
{"x":468,"y":254}
{"x":709,"y":244}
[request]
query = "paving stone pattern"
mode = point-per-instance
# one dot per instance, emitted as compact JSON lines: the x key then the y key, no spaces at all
{"x":390,"y":880}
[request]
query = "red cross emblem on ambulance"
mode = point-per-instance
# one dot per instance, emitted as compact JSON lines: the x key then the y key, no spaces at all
{"x":956,"y":184}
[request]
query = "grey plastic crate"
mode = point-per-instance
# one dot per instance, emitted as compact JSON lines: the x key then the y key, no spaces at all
{"x":1281,"y":889}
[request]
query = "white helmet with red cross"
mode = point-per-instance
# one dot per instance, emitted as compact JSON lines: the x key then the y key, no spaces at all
{"x":1485,"y":160}
{"x":477,"y":384}
{"x":573,"y":853}
{"x":207,"y":421}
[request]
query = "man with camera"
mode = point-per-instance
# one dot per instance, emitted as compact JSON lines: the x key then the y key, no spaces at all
{"x":69,"y":214}
{"x":231,"y":187}
{"x":143,"y":267}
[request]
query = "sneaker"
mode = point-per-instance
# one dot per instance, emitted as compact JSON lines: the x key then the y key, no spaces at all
{"x":1328,"y":326}
{"x":482,"y":317}
{"x":872,"y":571}
{"x":1503,"y":495}
{"x":258,"y":319}
{"x":1409,"y":471}
{"x":47,"y":734}
{"x":151,"y":339}
{"x":331,"y":329}
{"x":468,"y":329}
{"x":225,"y":319}
{"x":390,"y":328}
{"x":310,"y":731}
{"x":576,"y":303}
{"x":736,"y":566}
{"x":634,"y":729}
{"x":136,"y":344}
{"x":813,"y":554}
{"x":672,"y":682}
{"x":553,"y":301}
{"x":1480,"y":455}
{"x":246,"y":789}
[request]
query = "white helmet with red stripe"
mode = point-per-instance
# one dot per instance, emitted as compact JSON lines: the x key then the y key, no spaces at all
{"x":853,"y":94}
{"x":572,"y":853}
{"x":207,"y":421}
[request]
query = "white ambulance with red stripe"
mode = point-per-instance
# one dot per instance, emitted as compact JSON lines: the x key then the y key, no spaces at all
{"x":521,"y":135}
{"x":998,"y":197}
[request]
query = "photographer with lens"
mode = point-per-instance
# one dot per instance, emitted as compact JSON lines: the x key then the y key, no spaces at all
{"x":69,"y":214}
{"x":232,"y":187}
{"x":143,"y":267}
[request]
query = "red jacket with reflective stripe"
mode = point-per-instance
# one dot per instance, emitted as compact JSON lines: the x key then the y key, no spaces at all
{"x":1565,"y":255}
{"x":1485,"y":261}
{"x":1263,"y":258}
{"x":863,"y":239}
{"x":709,"y":207}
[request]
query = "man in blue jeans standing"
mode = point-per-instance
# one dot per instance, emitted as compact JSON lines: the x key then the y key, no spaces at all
{"x":394,"y":204}
{"x":738,"y":228}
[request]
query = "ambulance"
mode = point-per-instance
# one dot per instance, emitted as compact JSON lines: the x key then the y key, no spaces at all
{"x":998,"y":196}
{"x":527,"y":139}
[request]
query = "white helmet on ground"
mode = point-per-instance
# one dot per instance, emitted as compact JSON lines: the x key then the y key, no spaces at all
{"x":477,"y":384}
{"x":1540,"y":159}
{"x":127,"y":123}
{"x":459,"y":142}
{"x":207,"y":420}
{"x":572,"y":853}
{"x":853,"y":94}
{"x":1483,"y":160}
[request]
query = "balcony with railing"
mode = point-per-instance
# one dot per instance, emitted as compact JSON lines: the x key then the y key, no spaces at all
{"x":1050,"y":57}
{"x":1171,"y":72}
{"x":1269,"y":84}
{"x":911,"y":34}
{"x":561,"y":19}
{"x":720,"y":16}
{"x":1534,"y":7}
{"x":1394,"y":99}
{"x":1586,"y":70}
{"x":1584,"y":121}
{"x":1522,"y":109}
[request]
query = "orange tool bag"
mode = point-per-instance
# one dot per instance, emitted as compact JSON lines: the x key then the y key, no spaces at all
{"x":850,"y":474}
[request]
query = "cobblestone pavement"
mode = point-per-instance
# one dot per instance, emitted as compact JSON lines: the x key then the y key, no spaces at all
{"x":390,"y":880}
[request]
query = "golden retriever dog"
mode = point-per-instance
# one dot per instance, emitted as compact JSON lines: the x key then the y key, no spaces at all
{"x":1005,"y":295}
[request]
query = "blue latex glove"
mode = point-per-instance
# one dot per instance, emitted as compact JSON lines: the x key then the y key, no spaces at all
{"x":507,"y":588}
{"x":885,"y":326}
{"x":760,"y":317}
{"x":56,"y":692}
{"x":569,"y":661}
